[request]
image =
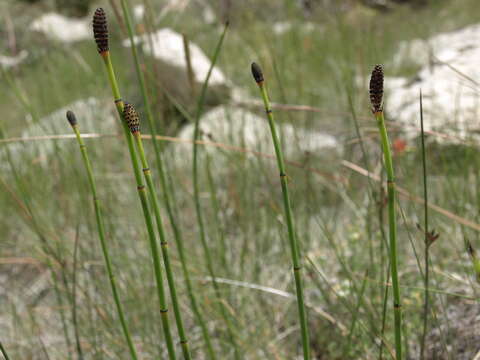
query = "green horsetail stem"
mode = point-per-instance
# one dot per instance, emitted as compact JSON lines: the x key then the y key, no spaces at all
{"x":140,"y":186}
{"x":376,"y":98}
{"x":259,"y":79}
{"x":133,"y":121}
{"x":167,"y":194}
{"x":101,"y":232}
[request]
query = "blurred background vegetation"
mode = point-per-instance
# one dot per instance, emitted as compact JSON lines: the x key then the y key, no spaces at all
{"x":315,"y":53}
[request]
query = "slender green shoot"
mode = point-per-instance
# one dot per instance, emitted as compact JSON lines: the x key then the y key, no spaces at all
{"x":196,"y":194}
{"x":188,"y":60}
{"x":376,"y":97}
{"x":74,"y":299}
{"x":3,"y":351}
{"x":297,"y":266}
{"x":427,"y":245}
{"x":133,"y":121}
{"x":101,"y":233}
{"x":101,"y":33}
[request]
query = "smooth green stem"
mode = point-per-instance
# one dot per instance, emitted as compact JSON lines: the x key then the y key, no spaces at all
{"x":356,"y":311}
{"x":62,"y":314}
{"x":290,"y":226}
{"x":146,"y":211}
{"x":384,"y":312}
{"x":3,"y":351}
{"x":74,"y":301}
{"x":216,"y":209}
{"x":103,"y":243}
{"x":196,"y":194}
{"x":397,"y":307}
{"x":163,"y":244}
{"x":427,"y":245}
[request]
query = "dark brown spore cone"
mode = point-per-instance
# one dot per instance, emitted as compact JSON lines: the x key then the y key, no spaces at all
{"x":131,"y":117}
{"x":376,"y":89}
{"x":257,"y":73}
{"x":71,"y":118}
{"x":100,"y":30}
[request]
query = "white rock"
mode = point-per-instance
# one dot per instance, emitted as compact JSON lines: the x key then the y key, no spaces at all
{"x":240,"y":128}
{"x":417,"y":51}
{"x":283,"y":27}
{"x":12,"y":61}
{"x":208,"y":15}
{"x":173,"y":5}
{"x":449,"y":85}
{"x":138,"y":12}
{"x":168,"y":47}
{"x":60,"y":28}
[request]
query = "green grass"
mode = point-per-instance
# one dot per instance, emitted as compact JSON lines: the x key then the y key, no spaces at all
{"x":342,"y":226}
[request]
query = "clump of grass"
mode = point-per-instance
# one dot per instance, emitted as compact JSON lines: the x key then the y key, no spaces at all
{"x":101,"y":232}
{"x":297,"y":266}
{"x":101,"y":38}
{"x":429,"y":237}
{"x":376,"y":98}
{"x":198,"y":207}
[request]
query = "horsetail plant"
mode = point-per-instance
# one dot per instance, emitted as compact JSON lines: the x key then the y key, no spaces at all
{"x":376,"y":99}
{"x":297,"y":266}
{"x":133,"y":121}
{"x":164,"y":185}
{"x":101,"y":232}
{"x":100,"y":31}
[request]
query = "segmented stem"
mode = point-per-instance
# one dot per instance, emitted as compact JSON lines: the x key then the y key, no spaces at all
{"x":132,"y":119}
{"x":376,"y":97}
{"x":101,"y":234}
{"x":146,"y":211}
{"x":258,"y":76}
{"x":166,"y":196}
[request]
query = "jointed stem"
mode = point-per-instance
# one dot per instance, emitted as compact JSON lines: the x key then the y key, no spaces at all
{"x":163,"y":243}
{"x":146,"y":212}
{"x":427,"y":245}
{"x":153,"y":196}
{"x":101,"y":234}
{"x":392,"y":232}
{"x":290,"y":226}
